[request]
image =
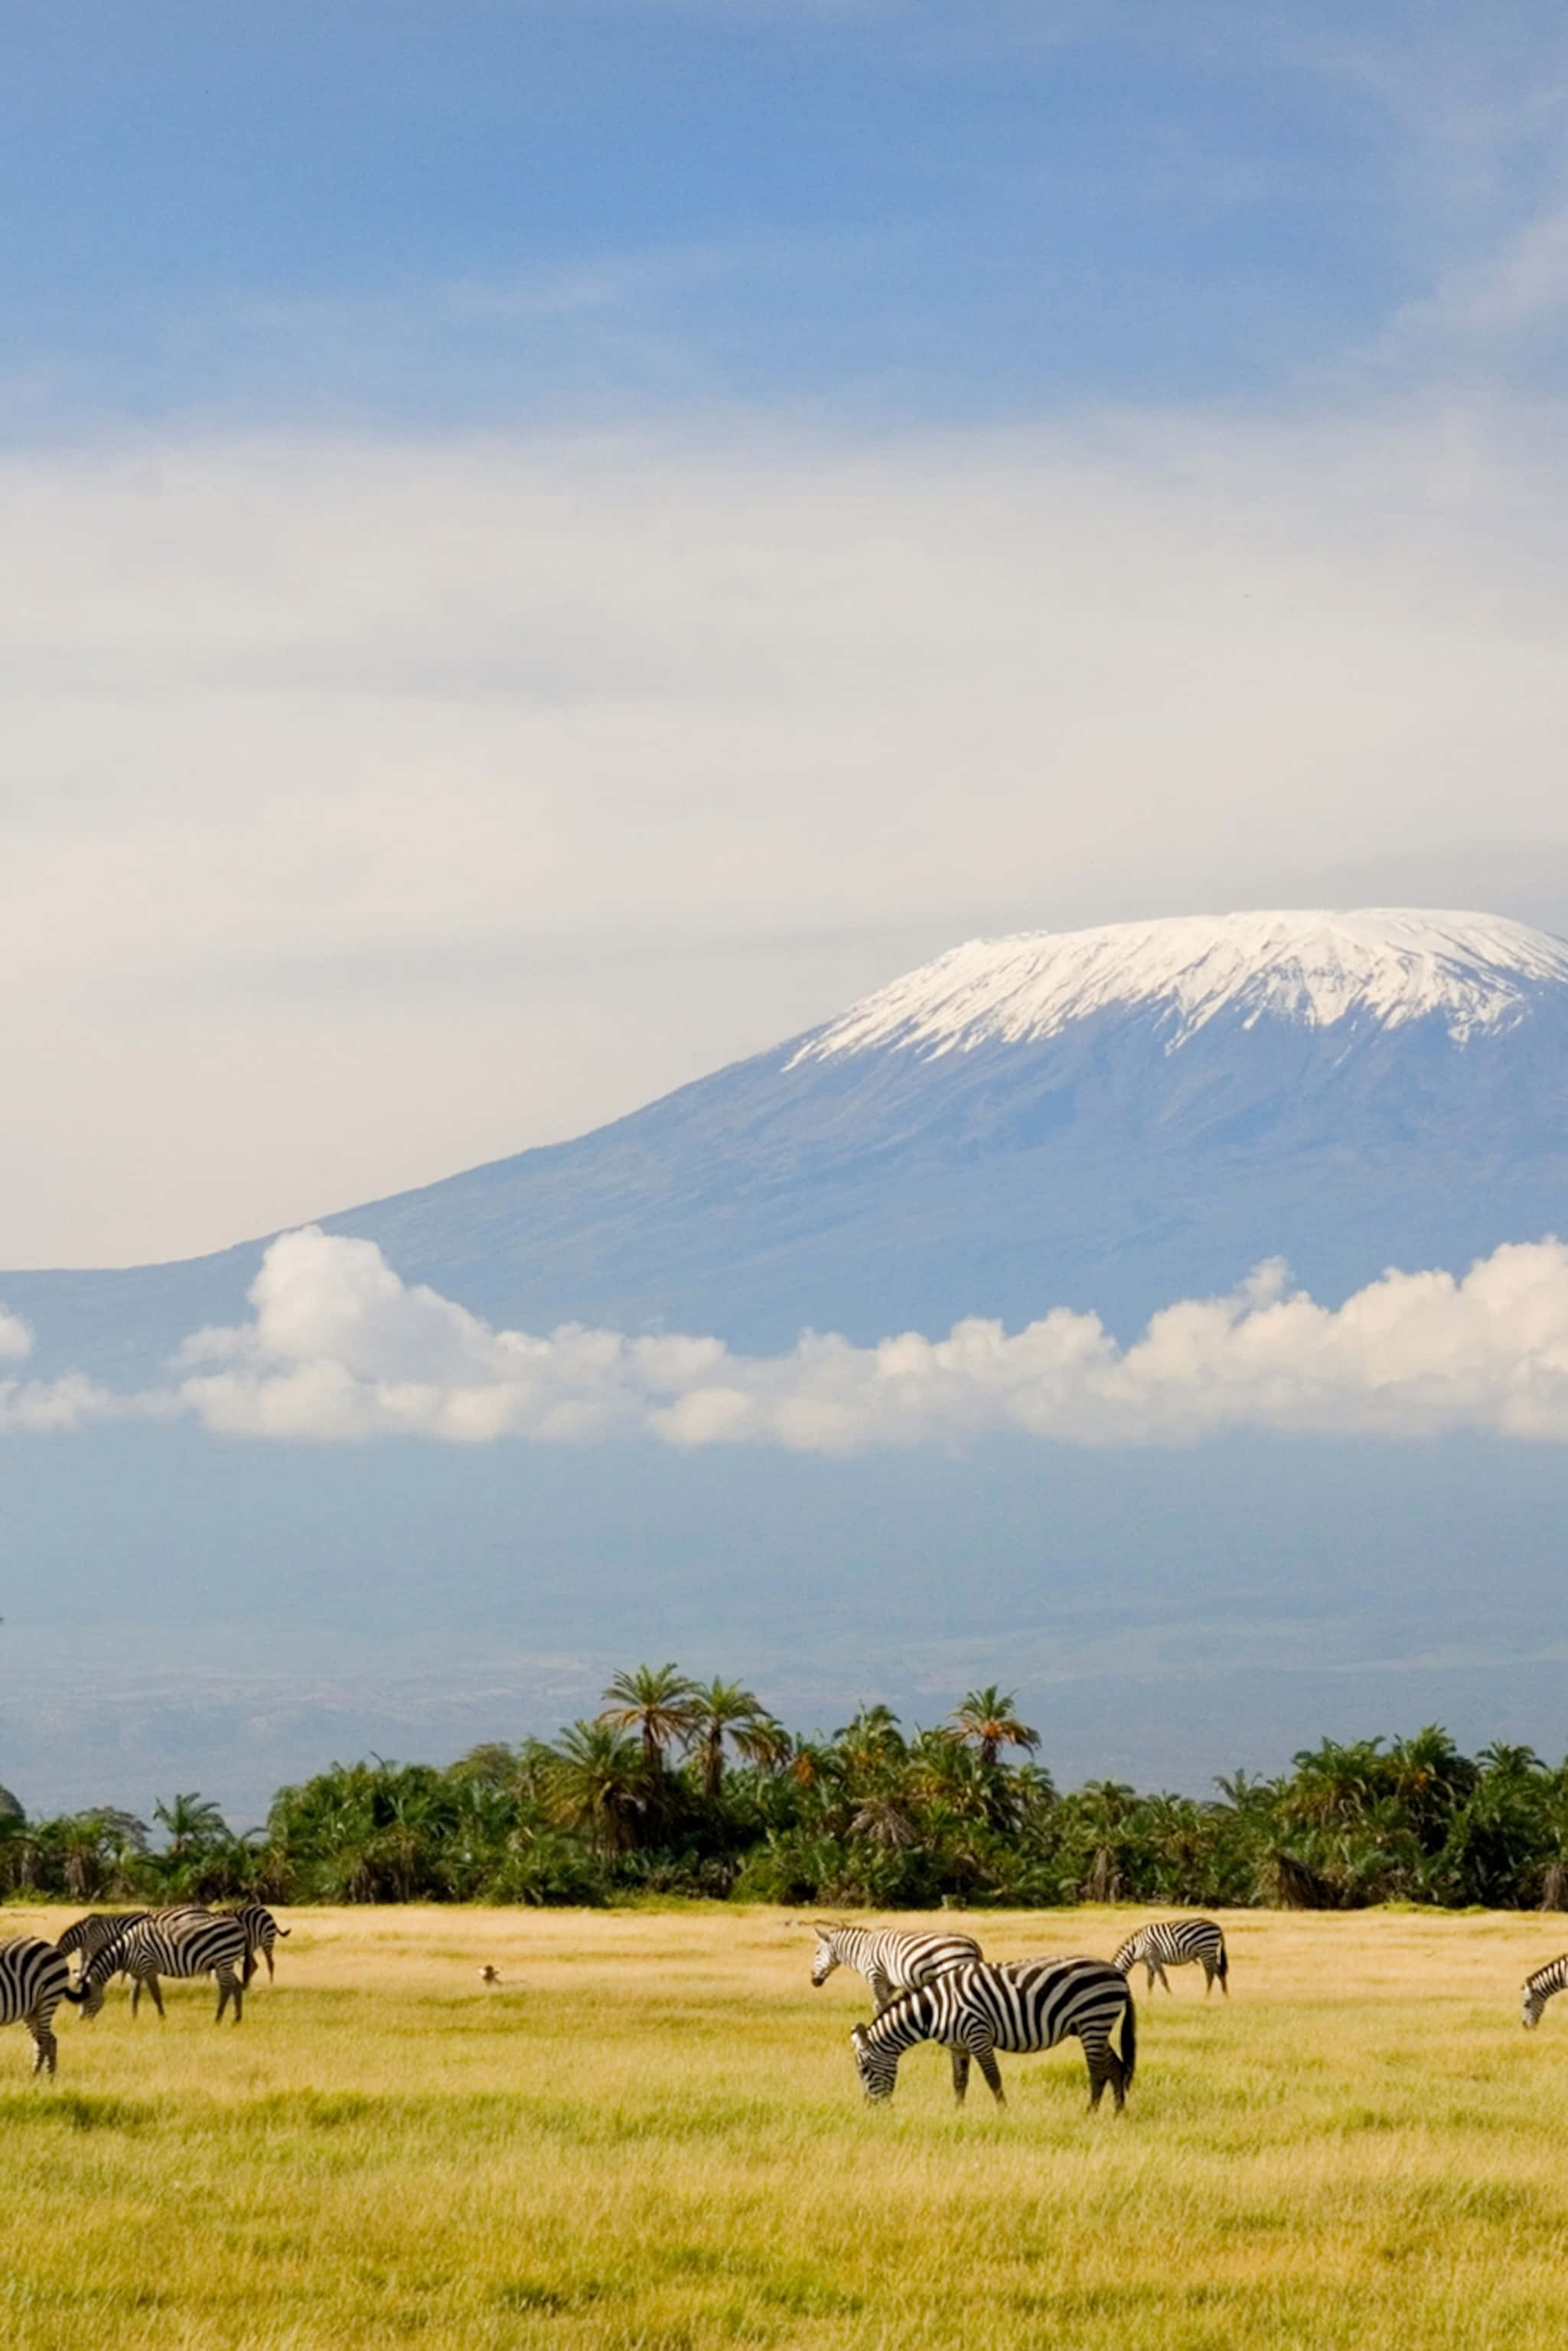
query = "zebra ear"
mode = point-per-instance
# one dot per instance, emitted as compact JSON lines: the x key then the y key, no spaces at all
{"x":857,"y":2034}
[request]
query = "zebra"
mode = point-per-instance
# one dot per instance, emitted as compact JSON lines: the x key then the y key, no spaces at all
{"x":890,"y":1961}
{"x":34,"y":1980}
{"x":196,"y":1945}
{"x":87,"y":1935}
{"x":261,"y":1932}
{"x":1539,"y":1989}
{"x":1021,"y":2004}
{"x":1176,"y":1943}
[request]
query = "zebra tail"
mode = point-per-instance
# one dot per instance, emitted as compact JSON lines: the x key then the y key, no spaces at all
{"x":1223,"y":1969}
{"x":1129,"y":2043}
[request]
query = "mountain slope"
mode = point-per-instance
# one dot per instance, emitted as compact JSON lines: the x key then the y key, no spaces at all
{"x":1109,"y":1119}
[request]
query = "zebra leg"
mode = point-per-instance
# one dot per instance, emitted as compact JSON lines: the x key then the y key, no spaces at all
{"x":1150,"y":1966}
{"x":152,"y":1985}
{"x":45,"y":2046}
{"x":881,"y":1991}
{"x":249,"y":1969}
{"x":960,"y":2074}
{"x":986,"y":2060}
{"x":267,"y":1955}
{"x":229,"y":1987}
{"x":1159,"y":1970}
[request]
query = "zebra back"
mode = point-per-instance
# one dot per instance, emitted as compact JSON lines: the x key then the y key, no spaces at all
{"x":90,"y":1934}
{"x":108,"y":1929}
{"x":899,"y":1959}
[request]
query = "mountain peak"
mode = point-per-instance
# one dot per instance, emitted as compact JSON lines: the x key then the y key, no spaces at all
{"x":1479,"y":973}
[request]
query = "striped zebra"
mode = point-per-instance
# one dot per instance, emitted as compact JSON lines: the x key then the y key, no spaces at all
{"x":261,"y":1932}
{"x":890,"y":1961}
{"x":34,"y":1980}
{"x":87,"y":1935}
{"x":1022,"y":2004}
{"x":196,"y":1945}
{"x":1176,"y":1943}
{"x":1539,"y":1989}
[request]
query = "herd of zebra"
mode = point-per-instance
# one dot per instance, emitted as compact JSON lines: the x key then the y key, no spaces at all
{"x":941,"y":1988}
{"x":931,"y":1986}
{"x":182,"y":1942}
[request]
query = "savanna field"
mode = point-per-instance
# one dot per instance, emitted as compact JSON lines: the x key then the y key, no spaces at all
{"x":650,"y":2137}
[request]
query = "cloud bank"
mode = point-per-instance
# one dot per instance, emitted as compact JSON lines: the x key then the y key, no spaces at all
{"x":341,"y":1349}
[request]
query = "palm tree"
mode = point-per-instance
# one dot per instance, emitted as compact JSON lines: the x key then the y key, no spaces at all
{"x":721,"y":1711}
{"x":988,"y":1721}
{"x":657,"y":1703}
{"x":763,"y":1743}
{"x":190,"y":1820}
{"x":599,"y":1784}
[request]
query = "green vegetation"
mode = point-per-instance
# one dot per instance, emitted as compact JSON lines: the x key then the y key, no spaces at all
{"x":649,"y":2138}
{"x":683,"y":1789}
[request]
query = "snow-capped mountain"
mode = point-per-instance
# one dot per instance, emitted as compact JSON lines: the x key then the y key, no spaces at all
{"x":1109,"y":1118}
{"x":1477,"y":972}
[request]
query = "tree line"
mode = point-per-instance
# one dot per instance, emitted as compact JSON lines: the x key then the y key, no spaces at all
{"x":685,"y":1789}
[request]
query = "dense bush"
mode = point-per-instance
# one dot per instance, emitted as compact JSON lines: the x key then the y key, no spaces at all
{"x":677,"y":1789}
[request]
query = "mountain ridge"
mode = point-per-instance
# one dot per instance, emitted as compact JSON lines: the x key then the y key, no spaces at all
{"x":874,"y":1175}
{"x":1315,"y":967}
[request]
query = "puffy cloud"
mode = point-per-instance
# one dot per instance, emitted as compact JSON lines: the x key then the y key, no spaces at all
{"x":16,"y":1338}
{"x":341,"y":1348}
{"x":46,"y":1407}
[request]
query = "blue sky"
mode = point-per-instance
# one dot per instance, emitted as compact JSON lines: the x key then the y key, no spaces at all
{"x":457,"y":213}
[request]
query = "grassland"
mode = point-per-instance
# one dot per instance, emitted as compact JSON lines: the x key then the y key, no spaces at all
{"x":649,"y":2138}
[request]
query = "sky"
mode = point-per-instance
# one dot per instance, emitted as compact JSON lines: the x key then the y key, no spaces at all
{"x":550,"y":546}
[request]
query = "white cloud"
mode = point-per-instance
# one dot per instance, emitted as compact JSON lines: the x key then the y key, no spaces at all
{"x":16,"y":1338}
{"x":341,"y":1349}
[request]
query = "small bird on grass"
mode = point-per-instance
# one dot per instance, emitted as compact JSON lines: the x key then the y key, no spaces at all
{"x":489,"y":1975}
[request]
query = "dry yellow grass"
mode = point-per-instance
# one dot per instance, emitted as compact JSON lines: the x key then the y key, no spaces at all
{"x":649,"y":2138}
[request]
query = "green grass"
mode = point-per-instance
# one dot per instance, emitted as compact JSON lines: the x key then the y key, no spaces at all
{"x":650,"y":2140}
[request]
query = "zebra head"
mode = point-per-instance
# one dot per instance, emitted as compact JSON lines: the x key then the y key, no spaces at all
{"x":1532,"y":2003}
{"x":878,"y":2068}
{"x":826,"y":1957}
{"x":93,"y":1981}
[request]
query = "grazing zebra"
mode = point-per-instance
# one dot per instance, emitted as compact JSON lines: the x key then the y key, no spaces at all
{"x":261,"y":1932}
{"x":196,"y":1945}
{"x":1020,"y":2005}
{"x":890,"y":1961}
{"x":34,"y":1980}
{"x":1176,"y":1943}
{"x":92,"y":1934}
{"x":1539,"y":1989}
